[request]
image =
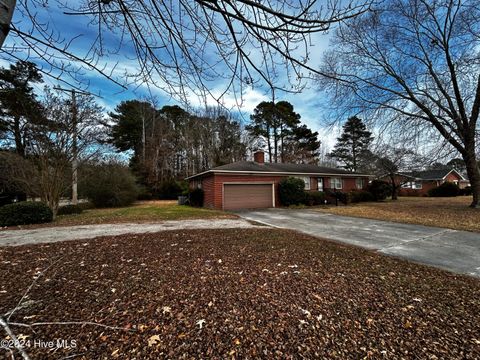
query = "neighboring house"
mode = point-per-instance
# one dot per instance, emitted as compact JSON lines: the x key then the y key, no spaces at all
{"x":254,"y":184}
{"x":418,"y":183}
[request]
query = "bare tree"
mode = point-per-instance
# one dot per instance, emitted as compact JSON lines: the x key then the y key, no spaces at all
{"x":46,"y":170}
{"x":180,"y":46}
{"x":390,"y":161}
{"x":416,"y":62}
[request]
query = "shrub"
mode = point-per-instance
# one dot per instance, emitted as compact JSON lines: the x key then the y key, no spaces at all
{"x":357,"y":196}
{"x":446,"y":189}
{"x":313,"y":198}
{"x":333,"y":196}
{"x":24,"y":213}
{"x":291,"y":191}
{"x":69,"y":210}
{"x":466,"y":191}
{"x":109,"y":185}
{"x":171,"y":189}
{"x":379,"y":189}
{"x":196,"y":197}
{"x":87,"y":205}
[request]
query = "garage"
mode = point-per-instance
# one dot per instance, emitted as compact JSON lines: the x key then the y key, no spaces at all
{"x":247,"y":196}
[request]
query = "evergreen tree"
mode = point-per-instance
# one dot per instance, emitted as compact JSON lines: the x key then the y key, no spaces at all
{"x":302,"y":146}
{"x":352,"y":146}
{"x":19,"y":107}
{"x":274,"y":123}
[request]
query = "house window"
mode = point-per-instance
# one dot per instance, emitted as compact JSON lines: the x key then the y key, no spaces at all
{"x":359,"y":183}
{"x":417,"y":185}
{"x":197,"y":184}
{"x":306,"y":180}
{"x":320,"y":184}
{"x":336,"y":183}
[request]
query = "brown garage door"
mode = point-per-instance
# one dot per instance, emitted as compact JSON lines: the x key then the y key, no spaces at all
{"x":240,"y":196}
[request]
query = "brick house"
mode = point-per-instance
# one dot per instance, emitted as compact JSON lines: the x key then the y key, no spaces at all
{"x":254,"y":184}
{"x":418,"y":183}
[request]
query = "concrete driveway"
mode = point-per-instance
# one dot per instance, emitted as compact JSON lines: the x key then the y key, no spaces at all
{"x":457,"y":251}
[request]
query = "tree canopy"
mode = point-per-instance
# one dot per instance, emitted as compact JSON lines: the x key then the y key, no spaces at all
{"x":352,"y":147}
{"x":180,"y":46}
{"x":277,"y":127}
{"x":413,"y":65}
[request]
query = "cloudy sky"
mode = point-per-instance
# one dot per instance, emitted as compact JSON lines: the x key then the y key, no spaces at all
{"x":310,"y":103}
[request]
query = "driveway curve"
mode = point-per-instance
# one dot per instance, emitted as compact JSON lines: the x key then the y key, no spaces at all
{"x":63,"y":233}
{"x":456,"y":251}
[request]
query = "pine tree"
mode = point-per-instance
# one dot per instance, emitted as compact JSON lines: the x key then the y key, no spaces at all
{"x":352,"y":146}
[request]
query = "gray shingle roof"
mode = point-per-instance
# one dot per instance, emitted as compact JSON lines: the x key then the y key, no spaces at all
{"x":251,"y":166}
{"x":437,"y":174}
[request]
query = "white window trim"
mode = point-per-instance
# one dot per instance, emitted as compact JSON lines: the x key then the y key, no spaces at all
{"x":320,"y":181}
{"x":333,"y":186}
{"x":306,"y":180}
{"x":357,"y":181}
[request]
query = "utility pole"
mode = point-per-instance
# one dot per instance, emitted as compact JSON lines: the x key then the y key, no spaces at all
{"x":74,"y":112}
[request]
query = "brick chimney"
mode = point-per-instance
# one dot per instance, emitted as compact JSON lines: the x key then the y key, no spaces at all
{"x":259,"y":157}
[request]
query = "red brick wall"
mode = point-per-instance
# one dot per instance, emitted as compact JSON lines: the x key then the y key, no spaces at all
{"x":426,"y":186}
{"x":207,"y":186}
{"x":213,"y":186}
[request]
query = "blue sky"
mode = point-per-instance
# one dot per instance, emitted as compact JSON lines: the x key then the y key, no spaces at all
{"x":310,"y":103}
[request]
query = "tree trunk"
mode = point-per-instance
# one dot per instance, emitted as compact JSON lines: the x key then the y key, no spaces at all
{"x":17,"y":133}
{"x":7,"y":8}
{"x":394,"y":188}
{"x":473,"y":175}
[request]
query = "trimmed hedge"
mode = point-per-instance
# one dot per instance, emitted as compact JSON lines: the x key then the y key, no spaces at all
{"x":447,"y":189}
{"x":24,"y":213}
{"x":291,"y":191}
{"x":313,"y":198}
{"x":69,"y":210}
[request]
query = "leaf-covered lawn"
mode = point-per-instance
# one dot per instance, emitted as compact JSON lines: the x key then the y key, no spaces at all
{"x":452,"y":213}
{"x":237,"y":294}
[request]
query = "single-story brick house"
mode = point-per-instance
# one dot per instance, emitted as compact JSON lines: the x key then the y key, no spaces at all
{"x":254,"y":184}
{"x":418,"y":183}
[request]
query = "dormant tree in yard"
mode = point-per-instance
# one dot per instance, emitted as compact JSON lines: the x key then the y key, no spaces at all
{"x":180,"y":46}
{"x":416,"y":62}
{"x":45,"y":171}
{"x":390,"y":160}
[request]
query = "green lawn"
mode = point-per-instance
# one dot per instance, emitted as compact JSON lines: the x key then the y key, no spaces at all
{"x":147,"y":211}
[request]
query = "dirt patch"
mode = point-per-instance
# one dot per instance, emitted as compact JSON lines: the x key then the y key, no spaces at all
{"x":239,"y":293}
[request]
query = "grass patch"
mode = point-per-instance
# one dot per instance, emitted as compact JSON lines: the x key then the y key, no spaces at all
{"x":237,"y":293}
{"x":451,"y":213}
{"x":146,"y":211}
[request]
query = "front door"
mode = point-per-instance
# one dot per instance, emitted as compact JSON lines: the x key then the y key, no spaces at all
{"x":320,"y":184}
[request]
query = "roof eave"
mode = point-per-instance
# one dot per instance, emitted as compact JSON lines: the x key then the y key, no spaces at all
{"x":246,"y":172}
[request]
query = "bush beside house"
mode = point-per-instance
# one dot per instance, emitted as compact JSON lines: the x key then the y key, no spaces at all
{"x":24,"y":213}
{"x":291,"y":191}
{"x":379,"y":189}
{"x":196,"y":197}
{"x":447,"y":189}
